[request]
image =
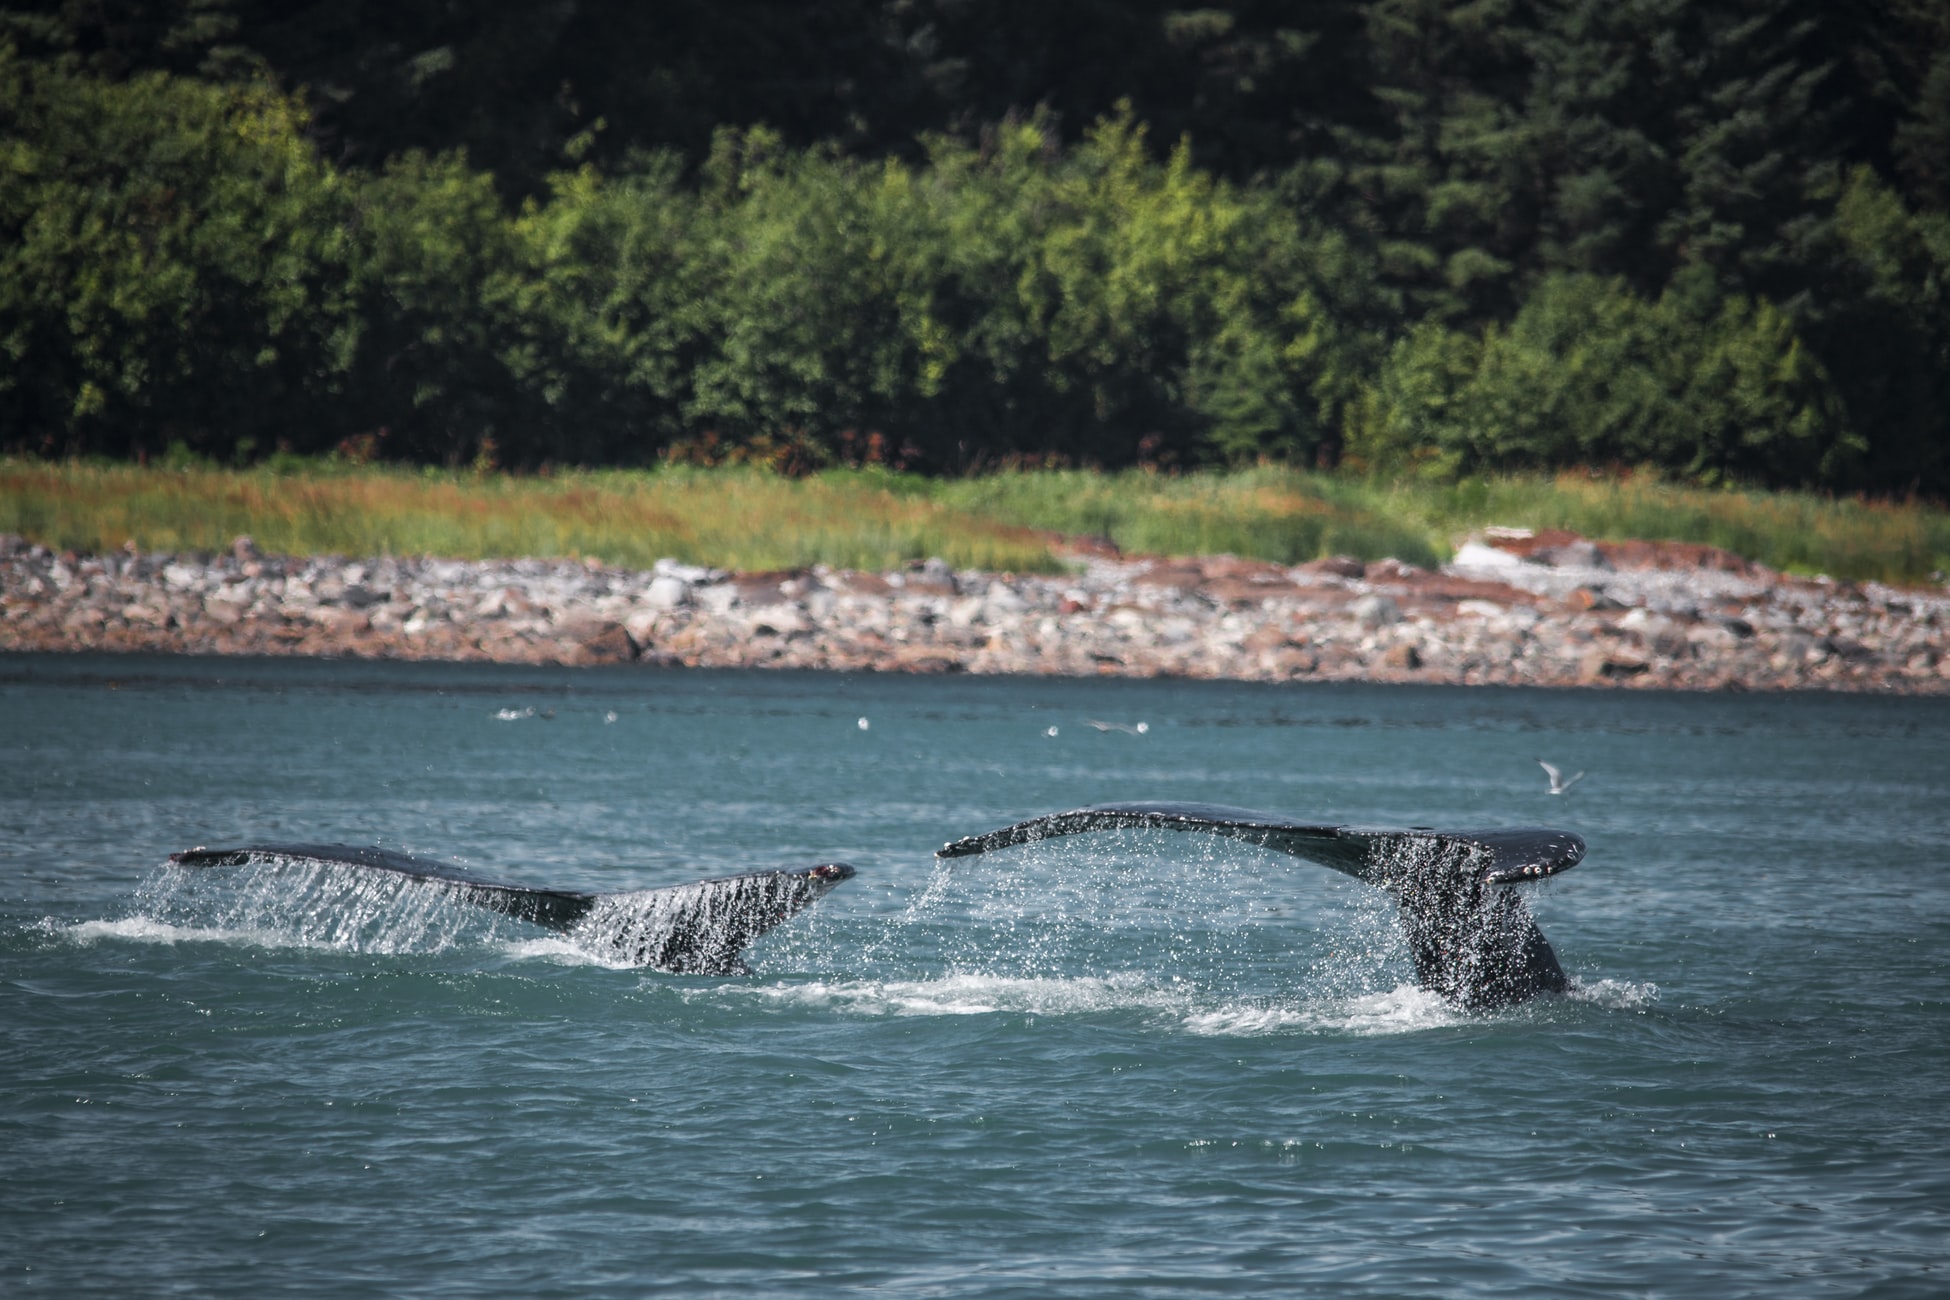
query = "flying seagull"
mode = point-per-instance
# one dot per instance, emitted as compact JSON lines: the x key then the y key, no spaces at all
{"x":1125,"y":727}
{"x":1558,"y":784}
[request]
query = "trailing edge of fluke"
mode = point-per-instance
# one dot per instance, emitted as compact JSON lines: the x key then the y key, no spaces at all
{"x":1473,"y":940}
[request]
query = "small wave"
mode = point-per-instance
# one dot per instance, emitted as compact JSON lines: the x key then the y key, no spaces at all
{"x":1619,"y":995}
{"x":558,"y":949}
{"x":1405,"y":1009}
{"x":136,"y":927}
{"x":969,"y":995}
{"x":565,"y":951}
{"x":147,"y":929}
{"x":1401,"y":1010}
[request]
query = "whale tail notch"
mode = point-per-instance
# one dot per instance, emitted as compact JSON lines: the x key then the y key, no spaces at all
{"x":1471,"y":937}
{"x":699,"y":928}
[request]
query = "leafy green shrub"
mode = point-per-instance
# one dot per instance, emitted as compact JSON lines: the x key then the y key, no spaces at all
{"x":613,"y":312}
{"x":1107,"y":309}
{"x":812,"y":259}
{"x":173,"y":264}
{"x":1710,"y":387}
{"x":1010,"y":302}
{"x":431,"y":275}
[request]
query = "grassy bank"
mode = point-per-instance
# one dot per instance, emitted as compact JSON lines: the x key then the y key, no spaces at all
{"x":736,"y":519}
{"x":750,"y":520}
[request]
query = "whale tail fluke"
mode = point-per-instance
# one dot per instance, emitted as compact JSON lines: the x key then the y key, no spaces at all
{"x":699,"y":928}
{"x":704,"y":927}
{"x":1472,"y":938}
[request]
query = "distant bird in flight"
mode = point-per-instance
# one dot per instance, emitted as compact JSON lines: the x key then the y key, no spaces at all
{"x":1558,"y":784}
{"x":1125,"y":727}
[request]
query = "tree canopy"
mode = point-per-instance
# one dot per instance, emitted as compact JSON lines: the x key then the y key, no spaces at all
{"x":1709,"y":236}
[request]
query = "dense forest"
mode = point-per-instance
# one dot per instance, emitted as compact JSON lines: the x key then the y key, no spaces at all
{"x":1706,"y":237}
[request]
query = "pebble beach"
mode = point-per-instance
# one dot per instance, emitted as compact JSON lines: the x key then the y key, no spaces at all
{"x":1512,"y":608}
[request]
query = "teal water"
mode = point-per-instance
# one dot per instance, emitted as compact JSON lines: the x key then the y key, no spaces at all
{"x":1136,"y":1064}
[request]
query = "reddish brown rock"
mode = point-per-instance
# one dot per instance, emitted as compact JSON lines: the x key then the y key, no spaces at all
{"x":1673,"y":555}
{"x":1334,"y":566}
{"x":1591,"y":598}
{"x":609,"y":644}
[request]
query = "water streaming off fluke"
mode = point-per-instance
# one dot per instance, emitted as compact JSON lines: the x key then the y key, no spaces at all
{"x":345,"y":895}
{"x":1472,"y":938}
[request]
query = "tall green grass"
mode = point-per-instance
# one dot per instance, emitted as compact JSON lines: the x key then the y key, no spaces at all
{"x":749,"y":519}
{"x":1796,"y":532}
{"x":735,"y":518}
{"x":1289,"y":515}
{"x":1271,"y":514}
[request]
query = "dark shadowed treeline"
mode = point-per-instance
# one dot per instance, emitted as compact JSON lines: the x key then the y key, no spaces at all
{"x":1709,"y":236}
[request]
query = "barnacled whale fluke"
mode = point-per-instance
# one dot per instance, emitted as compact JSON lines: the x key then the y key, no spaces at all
{"x":1472,"y":939}
{"x":700,"y":928}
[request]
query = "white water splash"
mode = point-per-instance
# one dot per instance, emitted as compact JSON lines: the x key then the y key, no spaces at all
{"x":297,"y":903}
{"x":303,"y":905}
{"x":563,"y":950}
{"x":1404,"y":1009}
{"x":1198,"y":1011}
{"x":1218,"y":913}
{"x":1197,"y":948}
{"x":1618,"y":995}
{"x":703,"y":927}
{"x":968,"y":994}
{"x":556,"y":949}
{"x":144,"y":929}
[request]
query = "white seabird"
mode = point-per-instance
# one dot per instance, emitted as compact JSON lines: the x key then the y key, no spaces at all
{"x":1558,"y":784}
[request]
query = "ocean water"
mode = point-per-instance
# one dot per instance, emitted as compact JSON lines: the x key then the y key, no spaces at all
{"x":1129,"y":1064}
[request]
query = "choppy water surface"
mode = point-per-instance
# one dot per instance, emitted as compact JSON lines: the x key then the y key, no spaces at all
{"x":1131,"y":1064}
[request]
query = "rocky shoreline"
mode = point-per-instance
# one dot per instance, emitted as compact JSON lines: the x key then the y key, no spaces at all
{"x":1514,"y":608}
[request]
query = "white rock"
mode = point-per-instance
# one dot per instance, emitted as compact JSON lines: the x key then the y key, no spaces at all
{"x":642,"y":626}
{"x":667,"y":591}
{"x":1474,"y":555}
{"x":1645,"y":622}
{"x":1376,"y":611}
{"x":690,"y":574}
{"x":780,"y":620}
{"x":1003,"y":599}
{"x":717,"y":598}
